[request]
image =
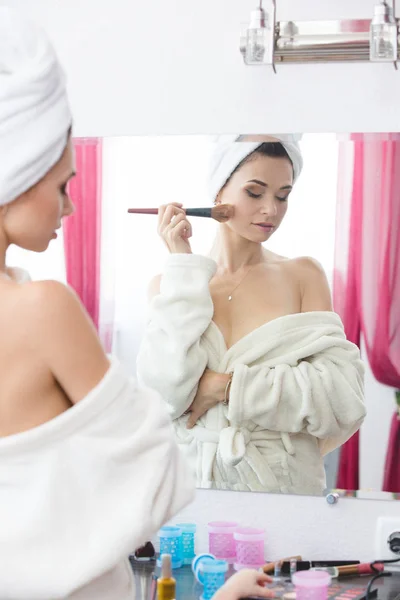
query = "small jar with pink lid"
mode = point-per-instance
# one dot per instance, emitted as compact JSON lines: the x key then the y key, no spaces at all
{"x":221,"y":541}
{"x":249,"y":548}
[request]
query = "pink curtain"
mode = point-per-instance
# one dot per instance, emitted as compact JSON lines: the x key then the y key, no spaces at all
{"x":367,"y":272}
{"x":391,"y":480}
{"x":82,"y":230}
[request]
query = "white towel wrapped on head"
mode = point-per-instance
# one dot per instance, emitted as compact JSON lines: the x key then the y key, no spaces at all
{"x":230,"y":151}
{"x":34,"y":112}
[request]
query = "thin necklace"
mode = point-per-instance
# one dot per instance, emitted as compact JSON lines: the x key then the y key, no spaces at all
{"x":241,"y":281}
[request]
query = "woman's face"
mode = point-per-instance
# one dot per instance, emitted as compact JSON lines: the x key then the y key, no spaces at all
{"x":31,"y":221}
{"x":259,"y":192}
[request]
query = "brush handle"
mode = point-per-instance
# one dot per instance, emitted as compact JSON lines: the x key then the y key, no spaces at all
{"x":143,"y":211}
{"x":190,"y":212}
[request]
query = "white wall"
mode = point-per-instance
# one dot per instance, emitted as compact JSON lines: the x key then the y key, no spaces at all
{"x":140,"y":67}
{"x":173,"y":66}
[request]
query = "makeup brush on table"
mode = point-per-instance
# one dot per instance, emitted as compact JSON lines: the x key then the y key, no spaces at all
{"x":221,"y":212}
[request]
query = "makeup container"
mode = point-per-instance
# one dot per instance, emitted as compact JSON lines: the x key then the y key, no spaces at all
{"x":188,"y":542}
{"x":311,"y":585}
{"x":249,"y":548}
{"x":143,"y":574}
{"x":171,"y":543}
{"x":196,"y":565}
{"x":220,"y":540}
{"x":212,"y":573}
{"x":166,"y":584}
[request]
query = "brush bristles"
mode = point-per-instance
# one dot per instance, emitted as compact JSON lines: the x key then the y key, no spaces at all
{"x":222,"y":212}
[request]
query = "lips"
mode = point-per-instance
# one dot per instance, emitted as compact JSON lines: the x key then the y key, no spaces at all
{"x":266,"y":227}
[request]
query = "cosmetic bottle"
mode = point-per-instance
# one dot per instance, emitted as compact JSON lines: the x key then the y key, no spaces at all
{"x":166,"y":584}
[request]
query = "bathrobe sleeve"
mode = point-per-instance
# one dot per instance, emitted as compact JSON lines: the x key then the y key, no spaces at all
{"x":170,"y":358}
{"x":319,"y":390}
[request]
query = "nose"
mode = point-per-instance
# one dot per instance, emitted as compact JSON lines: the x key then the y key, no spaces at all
{"x":269,"y":206}
{"x":69,"y":208}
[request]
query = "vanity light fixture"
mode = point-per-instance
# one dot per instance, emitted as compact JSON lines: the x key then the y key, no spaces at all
{"x":257,"y":44}
{"x":266,"y":41}
{"x":383,"y":34}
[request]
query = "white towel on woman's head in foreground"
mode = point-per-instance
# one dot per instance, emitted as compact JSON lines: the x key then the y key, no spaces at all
{"x":34,"y":112}
{"x":230,"y":151}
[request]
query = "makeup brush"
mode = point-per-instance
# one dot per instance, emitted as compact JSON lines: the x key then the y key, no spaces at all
{"x":269,"y":567}
{"x":221,"y":212}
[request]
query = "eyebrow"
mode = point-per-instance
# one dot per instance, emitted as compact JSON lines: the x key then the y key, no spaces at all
{"x":259,"y":182}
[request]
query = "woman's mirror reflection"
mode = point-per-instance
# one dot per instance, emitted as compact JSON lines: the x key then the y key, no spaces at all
{"x":216,"y":358}
{"x":258,"y":376}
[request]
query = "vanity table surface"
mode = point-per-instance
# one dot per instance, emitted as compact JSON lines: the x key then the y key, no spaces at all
{"x":187,"y":588}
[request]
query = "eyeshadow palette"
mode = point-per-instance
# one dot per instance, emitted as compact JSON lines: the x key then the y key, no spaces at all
{"x":343,"y":591}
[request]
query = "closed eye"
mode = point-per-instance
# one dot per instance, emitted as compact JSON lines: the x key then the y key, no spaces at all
{"x":253,"y":195}
{"x":283,"y":199}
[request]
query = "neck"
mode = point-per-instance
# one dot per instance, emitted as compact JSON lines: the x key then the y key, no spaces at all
{"x":235,"y":252}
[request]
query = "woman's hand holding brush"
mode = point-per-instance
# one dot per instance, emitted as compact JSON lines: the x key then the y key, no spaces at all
{"x":174,"y":228}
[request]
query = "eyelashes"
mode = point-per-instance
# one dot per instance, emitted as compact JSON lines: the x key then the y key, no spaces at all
{"x":253,"y":195}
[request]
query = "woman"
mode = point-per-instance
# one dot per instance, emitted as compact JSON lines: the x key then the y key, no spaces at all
{"x":259,"y":378}
{"x":89,"y":468}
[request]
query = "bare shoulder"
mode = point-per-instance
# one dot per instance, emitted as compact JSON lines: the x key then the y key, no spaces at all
{"x":313,"y":282}
{"x":45,"y":301}
{"x":62,"y":334}
{"x":307,"y":266}
{"x":154,"y":287}
{"x":52,"y":307}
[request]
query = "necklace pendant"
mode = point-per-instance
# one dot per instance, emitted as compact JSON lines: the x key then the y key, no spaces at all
{"x":229,"y":298}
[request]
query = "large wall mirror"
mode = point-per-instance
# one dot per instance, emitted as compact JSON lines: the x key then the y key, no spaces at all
{"x":296,"y":384}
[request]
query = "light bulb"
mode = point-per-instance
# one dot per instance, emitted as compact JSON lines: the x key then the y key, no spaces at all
{"x":255,"y":50}
{"x":383,"y":34}
{"x":257,"y":38}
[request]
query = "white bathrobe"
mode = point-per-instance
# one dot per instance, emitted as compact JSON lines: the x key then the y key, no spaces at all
{"x":296,"y":393}
{"x":81,"y":492}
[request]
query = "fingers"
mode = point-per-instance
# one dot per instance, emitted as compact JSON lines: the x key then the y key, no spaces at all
{"x":194,"y":416}
{"x":180,"y":227}
{"x":167,"y":211}
{"x":263,"y":578}
{"x":262,"y":592}
{"x":172,"y":222}
{"x":192,"y":420}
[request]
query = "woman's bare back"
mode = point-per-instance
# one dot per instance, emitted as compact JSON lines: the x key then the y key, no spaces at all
{"x":47,"y":346}
{"x":274,"y":288}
